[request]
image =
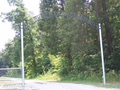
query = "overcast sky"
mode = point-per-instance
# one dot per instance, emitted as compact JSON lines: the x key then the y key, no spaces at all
{"x":6,"y":33}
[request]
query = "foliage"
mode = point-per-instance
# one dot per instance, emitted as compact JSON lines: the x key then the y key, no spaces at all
{"x":13,"y":73}
{"x":64,"y":46}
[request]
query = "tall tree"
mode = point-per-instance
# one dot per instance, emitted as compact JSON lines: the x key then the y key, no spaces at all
{"x":107,"y":27}
{"x":16,"y":17}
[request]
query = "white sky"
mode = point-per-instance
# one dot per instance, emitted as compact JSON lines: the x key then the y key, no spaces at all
{"x":6,"y":33}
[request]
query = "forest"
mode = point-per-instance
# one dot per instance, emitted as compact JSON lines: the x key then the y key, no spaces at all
{"x":65,"y":47}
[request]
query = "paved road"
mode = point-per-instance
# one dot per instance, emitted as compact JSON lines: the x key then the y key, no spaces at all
{"x":42,"y":85}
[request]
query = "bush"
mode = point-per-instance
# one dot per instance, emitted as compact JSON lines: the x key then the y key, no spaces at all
{"x":14,"y":73}
{"x":112,"y":76}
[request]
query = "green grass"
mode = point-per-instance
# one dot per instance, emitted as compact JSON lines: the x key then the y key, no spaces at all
{"x":48,"y":77}
{"x":98,"y":84}
{"x":95,"y":83}
{"x":113,"y":80}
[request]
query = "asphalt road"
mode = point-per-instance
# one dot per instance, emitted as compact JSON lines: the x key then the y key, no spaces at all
{"x":42,"y":85}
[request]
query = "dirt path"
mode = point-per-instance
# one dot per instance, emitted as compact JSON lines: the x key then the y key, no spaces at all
{"x":42,"y":85}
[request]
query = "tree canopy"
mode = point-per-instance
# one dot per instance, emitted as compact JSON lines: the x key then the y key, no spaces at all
{"x":64,"y":45}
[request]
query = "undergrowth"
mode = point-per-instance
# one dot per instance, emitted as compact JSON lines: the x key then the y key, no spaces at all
{"x":112,"y":78}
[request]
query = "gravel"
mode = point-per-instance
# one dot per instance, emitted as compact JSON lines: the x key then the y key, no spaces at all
{"x":42,"y":85}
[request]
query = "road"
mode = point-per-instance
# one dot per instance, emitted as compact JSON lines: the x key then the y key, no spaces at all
{"x":43,"y":85}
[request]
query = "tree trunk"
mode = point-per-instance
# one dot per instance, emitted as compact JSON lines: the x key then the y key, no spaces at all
{"x":62,"y":2}
{"x":107,"y":28}
{"x":96,"y":8}
{"x":33,"y":55}
{"x":70,"y":57}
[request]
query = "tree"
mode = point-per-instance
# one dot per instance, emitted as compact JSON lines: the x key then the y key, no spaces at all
{"x":16,"y":17}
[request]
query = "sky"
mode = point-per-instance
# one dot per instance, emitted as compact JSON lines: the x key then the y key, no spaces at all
{"x":6,"y":31}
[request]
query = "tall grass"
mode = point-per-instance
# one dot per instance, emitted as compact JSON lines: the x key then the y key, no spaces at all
{"x":91,"y":78}
{"x":49,"y":77}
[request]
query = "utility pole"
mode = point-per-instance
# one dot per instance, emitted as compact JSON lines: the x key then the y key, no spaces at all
{"x":101,"y":42}
{"x":102,"y":54}
{"x":87,"y":3}
{"x":22,"y":54}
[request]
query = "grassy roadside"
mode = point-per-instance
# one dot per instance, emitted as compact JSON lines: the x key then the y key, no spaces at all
{"x":113,"y":83}
{"x":98,"y":84}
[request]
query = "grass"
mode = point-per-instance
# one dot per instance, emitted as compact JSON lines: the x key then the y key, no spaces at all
{"x":48,"y":77}
{"x":56,"y":78}
{"x":113,"y":81}
{"x":6,"y":81}
{"x":98,"y":84}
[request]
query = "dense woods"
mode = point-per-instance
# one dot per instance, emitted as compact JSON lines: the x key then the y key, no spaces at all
{"x":65,"y":46}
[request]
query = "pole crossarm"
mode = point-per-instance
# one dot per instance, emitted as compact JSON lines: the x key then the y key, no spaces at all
{"x":47,"y":15}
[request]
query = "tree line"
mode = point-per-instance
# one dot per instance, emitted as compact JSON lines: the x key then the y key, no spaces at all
{"x":64,"y":45}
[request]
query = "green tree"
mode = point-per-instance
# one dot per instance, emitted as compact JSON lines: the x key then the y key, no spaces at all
{"x":16,"y":17}
{"x":109,"y":17}
{"x":48,"y":27}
